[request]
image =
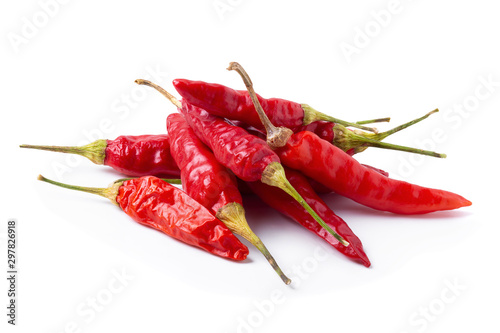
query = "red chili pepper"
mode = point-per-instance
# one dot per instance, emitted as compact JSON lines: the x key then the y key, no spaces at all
{"x":242,"y":106}
{"x":228,"y":103}
{"x":327,"y":164}
{"x":154,"y":203}
{"x":211,"y":184}
{"x":321,"y":127}
{"x":135,"y":156}
{"x":285,"y":204}
{"x":246,"y":155}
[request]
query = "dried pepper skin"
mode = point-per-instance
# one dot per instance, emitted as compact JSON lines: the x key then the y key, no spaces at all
{"x":234,"y":104}
{"x":159,"y":205}
{"x":329,"y":165}
{"x":286,"y":205}
{"x":323,"y":129}
{"x":141,"y":155}
{"x":245,"y":154}
{"x":203,"y":178}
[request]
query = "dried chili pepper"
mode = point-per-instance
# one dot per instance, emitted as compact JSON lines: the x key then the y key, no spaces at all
{"x":327,"y":164}
{"x":211,"y":184}
{"x":154,"y":203}
{"x":248,"y":156}
{"x":285,"y":204}
{"x":225,"y":102}
{"x":135,"y":156}
{"x":232,"y":104}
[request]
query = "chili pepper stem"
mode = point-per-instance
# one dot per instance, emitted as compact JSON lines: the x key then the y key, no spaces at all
{"x":110,"y":192}
{"x":359,"y":141}
{"x":95,"y":151}
{"x":312,"y":115}
{"x":175,"y":181}
{"x":383,"y":135}
{"x":233,"y":216}
{"x":276,"y":136}
{"x":274,"y":175}
{"x":165,"y":93}
{"x":371,"y":121}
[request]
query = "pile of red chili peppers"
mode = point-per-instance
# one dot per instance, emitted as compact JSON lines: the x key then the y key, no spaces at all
{"x":225,"y":142}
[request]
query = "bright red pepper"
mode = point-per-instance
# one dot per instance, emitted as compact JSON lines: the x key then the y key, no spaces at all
{"x":211,"y":184}
{"x":285,"y":204}
{"x":134,"y":156}
{"x":228,"y":103}
{"x":156,"y":204}
{"x":327,"y":164}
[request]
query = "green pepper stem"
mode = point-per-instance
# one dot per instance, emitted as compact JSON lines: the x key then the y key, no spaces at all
{"x":359,"y":141}
{"x":110,"y":192}
{"x":165,"y":93}
{"x":276,"y":136}
{"x":274,"y":175}
{"x":371,"y":121}
{"x":383,"y":135}
{"x":175,"y":181}
{"x":233,"y":216}
{"x":95,"y":151}
{"x":312,"y":115}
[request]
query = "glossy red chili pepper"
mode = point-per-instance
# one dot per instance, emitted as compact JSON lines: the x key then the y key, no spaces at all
{"x":134,"y":156}
{"x":318,"y":187}
{"x":211,"y":184}
{"x":156,"y":204}
{"x":327,"y":164}
{"x":285,"y":204}
{"x":228,"y":103}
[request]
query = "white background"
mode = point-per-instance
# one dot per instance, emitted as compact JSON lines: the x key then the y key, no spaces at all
{"x":66,"y":82}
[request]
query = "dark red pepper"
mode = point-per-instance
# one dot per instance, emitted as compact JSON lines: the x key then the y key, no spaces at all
{"x":156,"y":204}
{"x":228,"y":103}
{"x":285,"y":204}
{"x":134,"y":156}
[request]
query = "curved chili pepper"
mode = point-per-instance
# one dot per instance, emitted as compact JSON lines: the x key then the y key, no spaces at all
{"x":327,"y":164}
{"x":156,"y":204}
{"x":285,"y":204}
{"x":246,"y":155}
{"x":135,"y":156}
{"x":211,"y":184}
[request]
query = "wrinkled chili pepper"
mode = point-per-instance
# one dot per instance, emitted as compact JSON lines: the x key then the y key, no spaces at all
{"x":285,"y":204}
{"x":327,"y":164}
{"x":211,"y":184}
{"x":232,"y":104}
{"x":248,"y":156}
{"x":154,"y":203}
{"x":228,"y":103}
{"x":135,"y":156}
